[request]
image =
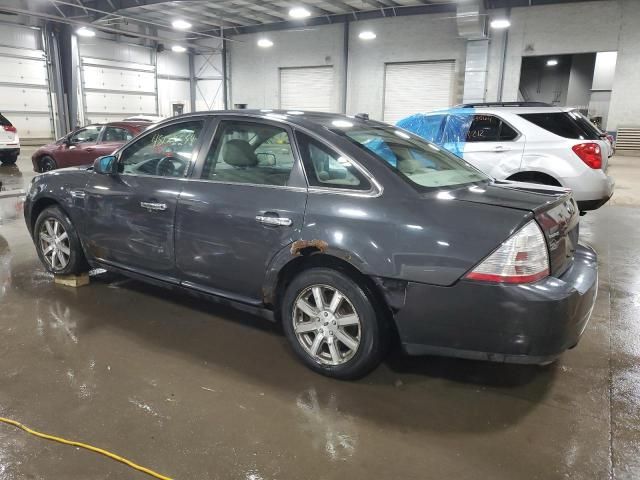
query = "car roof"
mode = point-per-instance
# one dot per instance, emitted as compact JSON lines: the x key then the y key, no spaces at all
{"x":503,"y":109}
{"x":305,"y":119}
{"x":125,"y":123}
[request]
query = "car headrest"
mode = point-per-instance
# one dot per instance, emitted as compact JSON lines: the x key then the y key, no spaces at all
{"x":408,"y":165}
{"x":239,"y":153}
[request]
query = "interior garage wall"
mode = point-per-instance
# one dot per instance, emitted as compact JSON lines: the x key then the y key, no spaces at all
{"x":255,"y":72}
{"x":208,"y":74}
{"x":583,"y":27}
{"x":399,"y":39}
{"x":25,"y":98}
{"x":173,"y":82}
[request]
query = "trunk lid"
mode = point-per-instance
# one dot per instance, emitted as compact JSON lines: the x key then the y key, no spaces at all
{"x":554,"y":209}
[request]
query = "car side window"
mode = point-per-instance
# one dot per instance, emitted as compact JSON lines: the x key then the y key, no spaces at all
{"x":249,"y":152}
{"x":484,"y":128}
{"x":327,"y":168}
{"x":507,"y":133}
{"x":86,"y":135}
{"x":116,"y":134}
{"x":166,"y":152}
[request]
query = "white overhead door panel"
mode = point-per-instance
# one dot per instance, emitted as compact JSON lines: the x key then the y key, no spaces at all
{"x":417,"y":87}
{"x":25,"y":98}
{"x":101,"y":78}
{"x":209,"y":95}
{"x":118,"y":81}
{"x":308,"y":88}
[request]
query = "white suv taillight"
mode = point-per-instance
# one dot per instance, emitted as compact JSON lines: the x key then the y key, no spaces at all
{"x":523,"y":258}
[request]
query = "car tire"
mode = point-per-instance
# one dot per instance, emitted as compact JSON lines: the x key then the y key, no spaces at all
{"x":47,"y":164}
{"x":9,"y":160}
{"x":64,"y":257}
{"x":343,"y":360}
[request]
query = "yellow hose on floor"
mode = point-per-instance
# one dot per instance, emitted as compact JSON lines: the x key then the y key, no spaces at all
{"x":91,"y":448}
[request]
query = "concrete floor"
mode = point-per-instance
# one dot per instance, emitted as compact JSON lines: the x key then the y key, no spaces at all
{"x":196,"y":391}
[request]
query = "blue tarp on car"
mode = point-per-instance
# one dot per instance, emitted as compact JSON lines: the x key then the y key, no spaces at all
{"x":446,"y":128}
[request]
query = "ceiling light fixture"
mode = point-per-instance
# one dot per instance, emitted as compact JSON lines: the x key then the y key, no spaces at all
{"x":178,"y":49}
{"x":181,"y":25}
{"x":86,"y":32}
{"x":265,"y":43}
{"x":299,"y":12}
{"x":552,"y":63}
{"x":367,"y":35}
{"x":500,"y":23}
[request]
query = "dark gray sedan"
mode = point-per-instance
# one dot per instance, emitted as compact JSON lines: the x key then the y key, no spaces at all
{"x":350,"y":232}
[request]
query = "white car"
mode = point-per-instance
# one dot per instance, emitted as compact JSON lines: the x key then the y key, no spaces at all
{"x":9,"y":142}
{"x":527,"y":143}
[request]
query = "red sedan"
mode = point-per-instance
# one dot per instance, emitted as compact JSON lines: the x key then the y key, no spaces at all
{"x":83,"y":146}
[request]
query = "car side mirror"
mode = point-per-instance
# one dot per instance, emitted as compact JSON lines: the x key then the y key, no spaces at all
{"x":107,"y":165}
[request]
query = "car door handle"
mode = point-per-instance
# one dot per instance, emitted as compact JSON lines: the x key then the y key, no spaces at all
{"x":89,"y":149}
{"x":499,"y":148}
{"x":274,"y":221}
{"x":152,"y":206}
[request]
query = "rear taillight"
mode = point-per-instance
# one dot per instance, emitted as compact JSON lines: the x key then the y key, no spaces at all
{"x":523,"y":258}
{"x":9,"y":128}
{"x":589,"y":153}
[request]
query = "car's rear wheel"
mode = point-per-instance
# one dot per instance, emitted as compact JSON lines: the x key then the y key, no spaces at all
{"x":332,"y":325}
{"x":9,"y":160}
{"x":58,"y":244}
{"x":47,"y":163}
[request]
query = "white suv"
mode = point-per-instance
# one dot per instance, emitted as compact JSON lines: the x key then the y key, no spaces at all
{"x":9,"y":142}
{"x":527,"y":143}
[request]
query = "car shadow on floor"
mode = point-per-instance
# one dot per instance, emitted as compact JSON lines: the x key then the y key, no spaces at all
{"x":465,"y":393}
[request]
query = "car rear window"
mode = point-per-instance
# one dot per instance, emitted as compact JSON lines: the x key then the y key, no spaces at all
{"x":563,"y":124}
{"x":4,"y":122}
{"x":424,"y":164}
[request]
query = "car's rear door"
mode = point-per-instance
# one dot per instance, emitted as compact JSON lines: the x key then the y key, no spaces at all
{"x":130,"y":215}
{"x":245,"y":202}
{"x":493,"y":146}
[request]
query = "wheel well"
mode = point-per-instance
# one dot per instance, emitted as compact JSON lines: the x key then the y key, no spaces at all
{"x":315,"y":259}
{"x":39,"y":206}
{"x":535,"y":177}
{"x":39,"y":158}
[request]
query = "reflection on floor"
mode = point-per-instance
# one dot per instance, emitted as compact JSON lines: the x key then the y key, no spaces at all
{"x":197,"y":391}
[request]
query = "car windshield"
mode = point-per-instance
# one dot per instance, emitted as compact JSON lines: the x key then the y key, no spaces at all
{"x":422,"y":163}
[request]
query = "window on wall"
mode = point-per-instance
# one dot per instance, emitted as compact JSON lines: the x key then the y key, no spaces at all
{"x":251,"y":153}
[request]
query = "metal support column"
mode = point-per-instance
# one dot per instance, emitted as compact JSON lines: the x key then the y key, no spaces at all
{"x":192,"y":81}
{"x":345,"y":68}
{"x":224,"y":73}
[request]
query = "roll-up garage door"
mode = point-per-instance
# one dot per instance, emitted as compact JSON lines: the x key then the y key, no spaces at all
{"x":308,"y":88}
{"x":118,"y":81}
{"x":24,"y":86}
{"x":417,"y":87}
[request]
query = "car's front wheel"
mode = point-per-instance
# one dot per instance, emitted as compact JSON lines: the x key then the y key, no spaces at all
{"x":58,"y":244}
{"x":332,"y":324}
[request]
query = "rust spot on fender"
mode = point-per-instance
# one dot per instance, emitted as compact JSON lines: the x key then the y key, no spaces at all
{"x":299,"y":246}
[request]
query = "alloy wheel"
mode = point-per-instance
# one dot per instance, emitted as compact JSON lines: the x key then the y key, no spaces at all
{"x":326,"y":324}
{"x":54,"y":244}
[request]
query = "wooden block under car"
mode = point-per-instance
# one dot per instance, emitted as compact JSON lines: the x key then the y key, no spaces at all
{"x":72,"y":280}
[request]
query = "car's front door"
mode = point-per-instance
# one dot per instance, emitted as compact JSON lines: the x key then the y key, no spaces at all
{"x":130,"y":215}
{"x":110,"y":140}
{"x":244,"y":203}
{"x":79,"y":147}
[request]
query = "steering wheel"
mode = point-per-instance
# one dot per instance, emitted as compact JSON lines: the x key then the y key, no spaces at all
{"x":165,"y":167}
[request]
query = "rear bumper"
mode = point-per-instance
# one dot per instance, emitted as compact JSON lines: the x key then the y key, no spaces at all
{"x":531,"y":323}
